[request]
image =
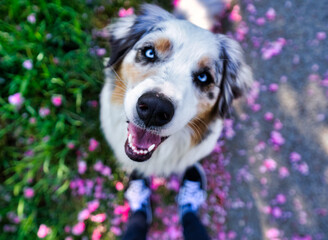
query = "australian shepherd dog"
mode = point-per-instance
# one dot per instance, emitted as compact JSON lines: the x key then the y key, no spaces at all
{"x":169,"y":85}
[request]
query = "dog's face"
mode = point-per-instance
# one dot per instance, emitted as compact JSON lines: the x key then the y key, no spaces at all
{"x":172,"y":76}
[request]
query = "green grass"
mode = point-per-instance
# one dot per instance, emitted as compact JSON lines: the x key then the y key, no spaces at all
{"x":61,"y":44}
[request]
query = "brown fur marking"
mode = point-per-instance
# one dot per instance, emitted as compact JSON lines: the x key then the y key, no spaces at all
{"x":163,"y":45}
{"x":205,"y":62}
{"x":127,"y":73}
{"x":199,"y":124}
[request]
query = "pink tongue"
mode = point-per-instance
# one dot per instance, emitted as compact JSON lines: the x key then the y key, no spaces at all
{"x":142,"y":138}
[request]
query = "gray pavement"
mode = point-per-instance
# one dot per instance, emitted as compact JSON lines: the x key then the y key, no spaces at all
{"x":301,"y":104}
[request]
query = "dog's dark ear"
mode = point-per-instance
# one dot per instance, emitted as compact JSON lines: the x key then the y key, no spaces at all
{"x":127,"y":31}
{"x":237,"y":77}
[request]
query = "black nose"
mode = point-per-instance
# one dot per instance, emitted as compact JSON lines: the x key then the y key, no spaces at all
{"x":154,"y":109}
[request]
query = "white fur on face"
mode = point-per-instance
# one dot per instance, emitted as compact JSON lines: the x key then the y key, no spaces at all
{"x":173,"y":76}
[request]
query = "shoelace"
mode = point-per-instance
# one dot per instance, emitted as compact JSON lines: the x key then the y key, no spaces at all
{"x":192,"y":194}
{"x":137,"y":194}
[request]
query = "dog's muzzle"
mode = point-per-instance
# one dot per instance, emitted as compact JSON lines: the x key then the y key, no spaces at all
{"x":154,"y":110}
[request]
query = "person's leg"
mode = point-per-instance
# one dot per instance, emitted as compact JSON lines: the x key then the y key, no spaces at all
{"x":138,"y":195}
{"x":193,"y":228}
{"x":191,"y":195}
{"x":137,"y":227}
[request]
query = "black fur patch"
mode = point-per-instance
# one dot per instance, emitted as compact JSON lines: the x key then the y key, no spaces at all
{"x":144,"y":23}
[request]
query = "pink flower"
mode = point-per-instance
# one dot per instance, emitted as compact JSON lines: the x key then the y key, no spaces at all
{"x":271,"y":14}
{"x":303,"y":168}
{"x":273,"y":87}
{"x":174,"y":184}
{"x":98,"y":166}
{"x":273,"y":48}
{"x":251,"y":8}
{"x":321,"y":35}
{"x":260,"y":21}
{"x":28,"y":192}
{"x":156,"y":182}
{"x":83,"y":215}
{"x":235,"y":14}
{"x":268,"y":116}
{"x":277,"y":124}
{"x":122,"y":210}
{"x":43,"y":231}
{"x":281,"y":198}
{"x":119,"y":186}
{"x":295,"y":157}
{"x":70,"y":145}
{"x":270,"y":164}
{"x":256,"y":107}
{"x":99,"y":217}
{"x":93,"y":205}
{"x":276,"y":212}
{"x":106,"y":171}
{"x":43,"y":112}
{"x":93,"y":144}
{"x":176,"y":3}
{"x":101,"y":52}
{"x":272,"y":233}
{"x":78,"y":228}
{"x":67,"y":229}
{"x":276,"y":138}
{"x":82,"y":166}
{"x":283,"y":172}
{"x":56,"y":100}
{"x":27,"y":64}
{"x":16,"y":99}
{"x":116,"y":231}
{"x":125,"y":12}
{"x":31,"y":18}
{"x":96,"y":234}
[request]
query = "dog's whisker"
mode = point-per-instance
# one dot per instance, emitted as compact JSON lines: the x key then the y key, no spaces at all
{"x":202,"y":122}
{"x":118,"y":76}
{"x":196,"y":129}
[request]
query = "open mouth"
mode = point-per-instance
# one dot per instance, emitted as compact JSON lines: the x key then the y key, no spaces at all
{"x":141,"y":143}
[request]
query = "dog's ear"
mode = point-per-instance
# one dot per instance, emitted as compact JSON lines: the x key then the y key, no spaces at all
{"x":237,"y":77}
{"x":127,"y":31}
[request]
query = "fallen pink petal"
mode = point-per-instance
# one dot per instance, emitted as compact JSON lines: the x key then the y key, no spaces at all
{"x":98,"y":218}
{"x":43,"y":231}
{"x":93,"y":144}
{"x":78,"y":228}
{"x":56,"y":100}
{"x":16,"y":99}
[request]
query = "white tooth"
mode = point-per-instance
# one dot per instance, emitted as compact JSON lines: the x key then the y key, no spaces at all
{"x":144,"y":151}
{"x":151,"y":148}
{"x":133,"y":147}
{"x":130,"y":138}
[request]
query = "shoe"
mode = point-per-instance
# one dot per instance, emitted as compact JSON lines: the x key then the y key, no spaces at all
{"x":138,"y":195}
{"x":193,"y":190}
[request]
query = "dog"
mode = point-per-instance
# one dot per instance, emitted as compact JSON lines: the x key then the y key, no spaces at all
{"x":168,"y":86}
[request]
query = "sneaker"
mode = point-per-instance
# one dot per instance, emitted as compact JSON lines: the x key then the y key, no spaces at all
{"x":138,"y":194}
{"x":193,"y":190}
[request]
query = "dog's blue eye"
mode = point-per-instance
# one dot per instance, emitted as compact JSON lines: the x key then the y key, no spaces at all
{"x":150,"y":53}
{"x":202,"y":77}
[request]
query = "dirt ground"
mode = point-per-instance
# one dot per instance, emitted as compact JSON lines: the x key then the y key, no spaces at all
{"x":279,"y":151}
